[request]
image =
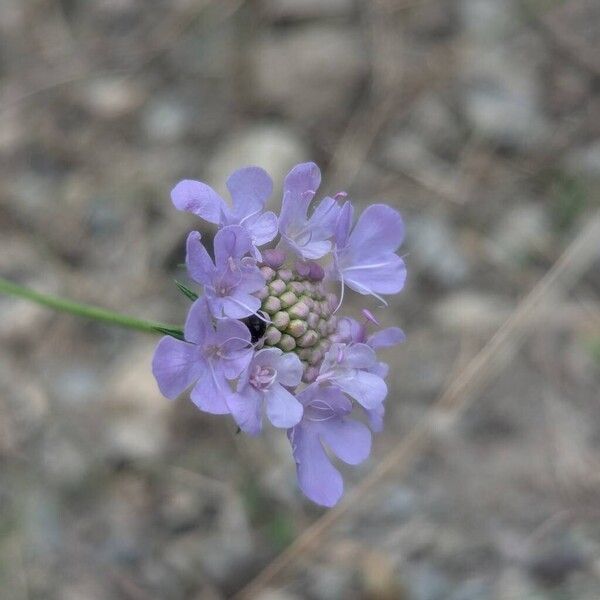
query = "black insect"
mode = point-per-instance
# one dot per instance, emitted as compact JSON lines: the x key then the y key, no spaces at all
{"x":256,"y":326}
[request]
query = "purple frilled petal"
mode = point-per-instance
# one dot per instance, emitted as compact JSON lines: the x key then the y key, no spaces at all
{"x":199,"y":264}
{"x":308,"y":237}
{"x":375,"y":418}
{"x":250,"y":188}
{"x":211,"y":390}
{"x":299,"y":188}
{"x":198,"y":324}
{"x":366,"y":259}
{"x":263,"y":382}
{"x":283,"y":409}
{"x":325,"y":421}
{"x":246,"y":409}
{"x":232,"y":242}
{"x":349,"y":440}
{"x":233,"y":350}
{"x":200,"y":199}
{"x":353,"y":369}
{"x":318,"y":479}
{"x":176,"y":366}
{"x":386,"y":338}
{"x":262,"y":227}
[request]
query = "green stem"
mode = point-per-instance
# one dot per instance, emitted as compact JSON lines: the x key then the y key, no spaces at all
{"x":89,"y":312}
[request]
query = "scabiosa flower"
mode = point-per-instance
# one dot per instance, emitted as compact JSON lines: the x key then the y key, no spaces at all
{"x":210,"y":355}
{"x":231,"y":280}
{"x":249,"y":189}
{"x":266,"y":336}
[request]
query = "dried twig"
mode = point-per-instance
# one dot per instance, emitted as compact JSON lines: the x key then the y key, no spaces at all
{"x":580,"y":254}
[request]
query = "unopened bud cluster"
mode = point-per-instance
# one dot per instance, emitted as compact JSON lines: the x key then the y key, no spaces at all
{"x":300,"y":311}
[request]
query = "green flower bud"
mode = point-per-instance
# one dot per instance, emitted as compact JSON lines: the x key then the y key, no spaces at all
{"x":298,"y":311}
{"x":267,"y":273}
{"x":271,"y":305}
{"x":287,"y":343}
{"x":310,"y":374}
{"x":263,"y":294}
{"x":281,"y":319}
{"x":312,"y":320}
{"x":288,"y":299}
{"x":304,"y":353}
{"x":297,"y":287}
{"x":322,"y":327}
{"x":310,"y":338}
{"x":285,"y":274}
{"x":315,"y":357}
{"x":297,"y":328}
{"x":272,"y":335}
{"x":277,"y":287}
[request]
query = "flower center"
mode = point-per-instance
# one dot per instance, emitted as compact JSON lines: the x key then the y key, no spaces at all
{"x":262,"y":378}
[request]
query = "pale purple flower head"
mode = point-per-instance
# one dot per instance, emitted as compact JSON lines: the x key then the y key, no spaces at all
{"x":266,"y":337}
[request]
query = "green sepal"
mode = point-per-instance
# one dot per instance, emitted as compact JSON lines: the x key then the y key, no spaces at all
{"x":176,"y":333}
{"x":185,"y":290}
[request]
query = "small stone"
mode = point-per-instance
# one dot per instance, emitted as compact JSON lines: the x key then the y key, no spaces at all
{"x":287,"y":343}
{"x":275,"y":148}
{"x":277,"y":287}
{"x":272,"y":335}
{"x":297,"y":328}
{"x":310,"y":338}
{"x":112,"y":97}
{"x":271,"y":305}
{"x":521,"y":232}
{"x":165,"y":120}
{"x":435,"y":250}
{"x":281,"y":319}
{"x":299,"y":311}
{"x":307,"y":9}
{"x":288,"y":299}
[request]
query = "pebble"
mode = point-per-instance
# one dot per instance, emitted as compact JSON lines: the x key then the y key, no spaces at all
{"x":522,"y":231}
{"x":329,"y":61}
{"x":274,"y":147}
{"x":433,"y":247}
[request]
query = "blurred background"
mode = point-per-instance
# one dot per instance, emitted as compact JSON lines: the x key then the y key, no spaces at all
{"x":478,"y":119}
